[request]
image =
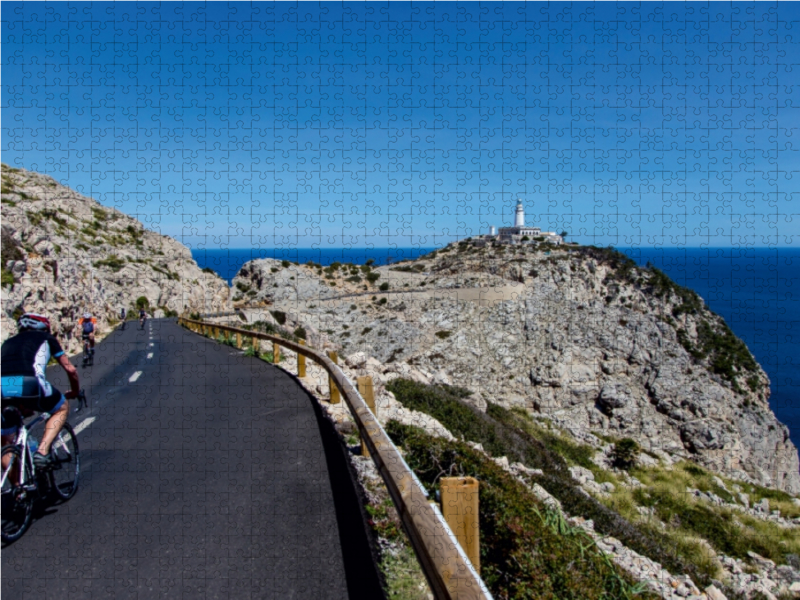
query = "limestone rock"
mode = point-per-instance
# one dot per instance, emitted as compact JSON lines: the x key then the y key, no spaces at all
{"x":589,"y":347}
{"x":71,"y":254}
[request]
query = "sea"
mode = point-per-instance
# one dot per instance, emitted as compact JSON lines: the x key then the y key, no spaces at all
{"x":756,"y":291}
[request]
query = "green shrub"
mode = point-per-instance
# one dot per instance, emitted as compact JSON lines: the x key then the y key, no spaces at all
{"x":143,"y":302}
{"x":625,"y":453}
{"x":210,"y":271}
{"x":300,"y":333}
{"x":279,"y":316}
{"x":113,"y":262}
{"x":285,"y":263}
{"x":572,"y":451}
{"x":372,"y":276}
{"x":8,"y":277}
{"x":443,"y":335}
{"x":10,"y":249}
{"x":384,"y":286}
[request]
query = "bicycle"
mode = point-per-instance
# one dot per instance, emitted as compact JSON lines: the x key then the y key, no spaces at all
{"x":142,"y":321}
{"x":88,"y":352}
{"x":21,"y":484}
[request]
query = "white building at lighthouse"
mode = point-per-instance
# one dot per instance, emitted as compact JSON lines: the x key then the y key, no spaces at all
{"x":520,"y":234}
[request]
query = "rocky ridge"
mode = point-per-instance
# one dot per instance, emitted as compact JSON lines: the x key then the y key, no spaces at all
{"x":64,"y":253}
{"x":579,"y":334}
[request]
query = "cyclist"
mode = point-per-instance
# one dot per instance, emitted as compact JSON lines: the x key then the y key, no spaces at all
{"x":122,"y":316}
{"x":142,"y":317}
{"x":24,"y":383}
{"x":88,"y":324}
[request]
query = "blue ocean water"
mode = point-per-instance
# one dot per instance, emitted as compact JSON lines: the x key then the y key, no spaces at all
{"x":757,"y":291}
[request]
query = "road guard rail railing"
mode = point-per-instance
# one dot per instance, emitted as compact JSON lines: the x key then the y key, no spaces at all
{"x":445,"y":564}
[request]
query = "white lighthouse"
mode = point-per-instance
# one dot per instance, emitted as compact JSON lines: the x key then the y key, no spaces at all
{"x":519,"y":216}
{"x":520,"y":234}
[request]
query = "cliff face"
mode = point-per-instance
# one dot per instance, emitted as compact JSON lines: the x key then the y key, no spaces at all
{"x":64,"y":254}
{"x":579,"y":334}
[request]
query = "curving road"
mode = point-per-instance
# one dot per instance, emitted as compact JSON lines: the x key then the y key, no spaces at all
{"x":205,"y":474}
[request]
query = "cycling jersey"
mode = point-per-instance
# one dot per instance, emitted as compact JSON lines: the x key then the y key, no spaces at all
{"x":28,"y":353}
{"x":24,"y":359}
{"x":88,"y":325}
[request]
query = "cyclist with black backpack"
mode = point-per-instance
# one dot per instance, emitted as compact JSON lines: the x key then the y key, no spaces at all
{"x":24,"y":382}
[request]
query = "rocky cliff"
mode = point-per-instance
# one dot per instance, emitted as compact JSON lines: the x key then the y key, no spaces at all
{"x":579,"y":334}
{"x":63,"y":254}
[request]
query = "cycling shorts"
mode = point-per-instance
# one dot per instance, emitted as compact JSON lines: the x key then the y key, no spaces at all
{"x":24,"y":392}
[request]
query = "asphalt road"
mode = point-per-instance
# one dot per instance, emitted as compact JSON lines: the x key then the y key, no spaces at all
{"x":204,"y":474}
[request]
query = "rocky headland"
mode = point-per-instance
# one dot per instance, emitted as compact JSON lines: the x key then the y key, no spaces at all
{"x":579,"y":334}
{"x":64,"y":253}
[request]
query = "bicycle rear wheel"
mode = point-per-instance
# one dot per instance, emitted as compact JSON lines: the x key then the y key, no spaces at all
{"x":66,"y":463}
{"x":17,"y":504}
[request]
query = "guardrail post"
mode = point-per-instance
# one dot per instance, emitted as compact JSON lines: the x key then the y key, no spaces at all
{"x":238,"y":340}
{"x":256,"y":346}
{"x":335,"y":397}
{"x":460,"y":510}
{"x":367,"y":393}
{"x":301,"y":361}
{"x":276,"y":353}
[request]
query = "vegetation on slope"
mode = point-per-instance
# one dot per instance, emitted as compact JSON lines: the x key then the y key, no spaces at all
{"x":660,"y":519}
{"x":496,"y":432}
{"x":527,"y":550}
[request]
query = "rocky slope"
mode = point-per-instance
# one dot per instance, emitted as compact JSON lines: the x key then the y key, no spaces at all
{"x":577,"y":333}
{"x":64,"y":253}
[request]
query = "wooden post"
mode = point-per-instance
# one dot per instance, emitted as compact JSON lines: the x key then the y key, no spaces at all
{"x":301,"y":361}
{"x":460,"y":510}
{"x":238,"y":340}
{"x":256,"y":346}
{"x":335,"y":397}
{"x":276,"y":353}
{"x":365,"y":389}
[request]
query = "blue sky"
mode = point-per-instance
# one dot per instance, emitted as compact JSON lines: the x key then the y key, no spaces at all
{"x":403,"y":124}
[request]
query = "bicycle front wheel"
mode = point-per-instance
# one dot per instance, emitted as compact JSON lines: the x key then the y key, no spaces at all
{"x":66,"y":463}
{"x":17,"y":503}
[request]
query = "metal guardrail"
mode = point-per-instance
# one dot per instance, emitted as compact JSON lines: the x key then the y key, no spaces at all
{"x":445,"y":564}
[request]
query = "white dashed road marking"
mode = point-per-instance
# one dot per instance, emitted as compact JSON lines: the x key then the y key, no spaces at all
{"x":150,"y":345}
{"x":149,"y":355}
{"x":134,"y":377}
{"x":84,"y":424}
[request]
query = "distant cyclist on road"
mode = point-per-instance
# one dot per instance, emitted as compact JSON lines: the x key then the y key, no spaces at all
{"x":88,"y":325}
{"x":122,"y":316}
{"x":142,"y":317}
{"x":24,"y":384}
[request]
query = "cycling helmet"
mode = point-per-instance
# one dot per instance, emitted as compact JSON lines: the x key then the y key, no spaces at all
{"x":34,"y":321}
{"x":87,"y":315}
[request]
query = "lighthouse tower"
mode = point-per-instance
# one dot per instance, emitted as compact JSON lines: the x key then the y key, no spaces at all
{"x":519,"y":217}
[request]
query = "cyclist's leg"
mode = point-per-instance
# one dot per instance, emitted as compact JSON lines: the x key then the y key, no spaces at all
{"x":58,"y":407}
{"x":10,"y":427}
{"x":91,"y":340}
